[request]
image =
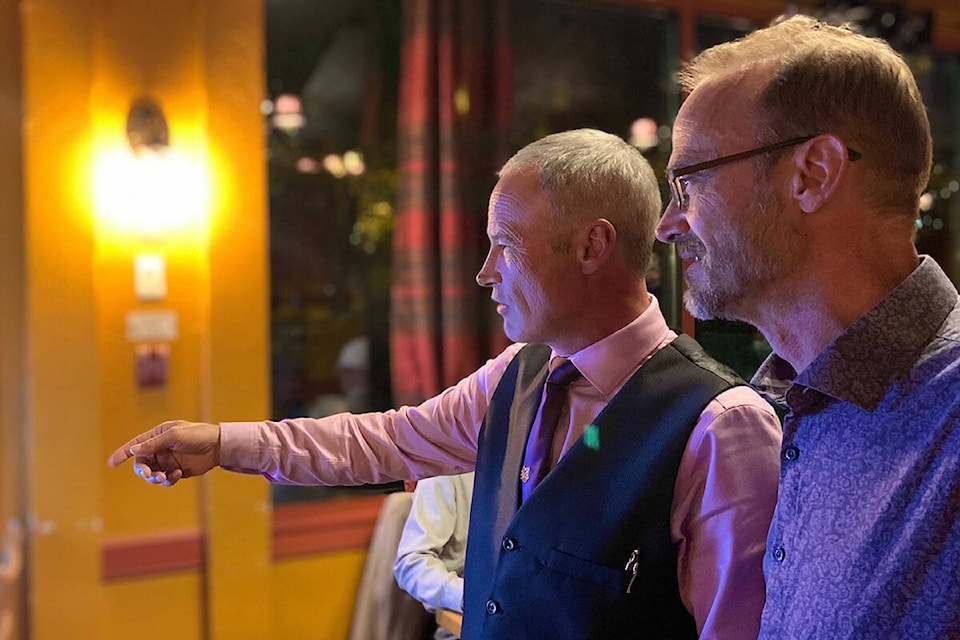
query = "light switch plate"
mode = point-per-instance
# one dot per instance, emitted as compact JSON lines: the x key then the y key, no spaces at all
{"x":152,"y":364}
{"x":150,"y":277}
{"x":152,"y":326}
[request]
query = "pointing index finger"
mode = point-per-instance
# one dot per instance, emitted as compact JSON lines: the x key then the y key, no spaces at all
{"x":123,"y":453}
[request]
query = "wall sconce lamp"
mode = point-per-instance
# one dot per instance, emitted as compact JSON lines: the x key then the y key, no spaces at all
{"x":147,"y":126}
{"x":147,"y":186}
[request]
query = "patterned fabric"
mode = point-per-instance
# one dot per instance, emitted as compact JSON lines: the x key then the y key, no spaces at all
{"x":454,"y":109}
{"x":865,"y":540}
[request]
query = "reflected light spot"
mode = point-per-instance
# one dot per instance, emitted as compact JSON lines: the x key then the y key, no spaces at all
{"x":643,"y":133}
{"x":307,"y":164}
{"x":461,"y":101}
{"x":353,"y":163}
{"x":288,"y":113}
{"x":334,"y":165}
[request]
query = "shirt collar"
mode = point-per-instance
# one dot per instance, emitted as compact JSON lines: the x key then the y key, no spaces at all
{"x":607,"y":363}
{"x":860,"y":365}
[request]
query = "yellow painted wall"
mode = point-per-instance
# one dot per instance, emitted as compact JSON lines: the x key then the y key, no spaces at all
{"x":61,"y":382}
{"x":238,"y":372}
{"x":11,"y":285}
{"x":314,"y":596}
{"x":11,"y":256}
{"x":83,"y":63}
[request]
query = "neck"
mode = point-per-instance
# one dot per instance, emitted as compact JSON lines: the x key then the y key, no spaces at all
{"x":603,"y":311}
{"x":801,"y":321}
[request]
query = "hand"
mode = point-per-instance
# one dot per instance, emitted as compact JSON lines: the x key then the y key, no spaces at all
{"x":171,"y":451}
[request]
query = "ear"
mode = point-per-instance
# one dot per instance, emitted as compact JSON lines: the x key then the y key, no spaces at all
{"x":597,"y":240}
{"x":819,"y":167}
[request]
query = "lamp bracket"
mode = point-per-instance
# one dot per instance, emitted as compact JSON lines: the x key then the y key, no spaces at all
{"x":146,"y":125}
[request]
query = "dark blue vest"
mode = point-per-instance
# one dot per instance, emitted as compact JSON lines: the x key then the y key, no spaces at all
{"x":555,"y":567}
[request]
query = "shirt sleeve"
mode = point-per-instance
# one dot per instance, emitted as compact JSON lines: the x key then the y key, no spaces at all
{"x":724,"y":498}
{"x":439,"y":509}
{"x":438,"y":437}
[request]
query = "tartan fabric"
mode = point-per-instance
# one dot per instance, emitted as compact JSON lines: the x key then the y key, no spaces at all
{"x":454,"y":113}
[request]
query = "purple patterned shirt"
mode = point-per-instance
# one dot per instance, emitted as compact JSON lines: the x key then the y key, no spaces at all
{"x":865,"y":540}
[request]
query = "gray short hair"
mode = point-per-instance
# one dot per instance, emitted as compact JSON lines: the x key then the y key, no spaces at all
{"x":819,"y":78}
{"x":588,"y":174}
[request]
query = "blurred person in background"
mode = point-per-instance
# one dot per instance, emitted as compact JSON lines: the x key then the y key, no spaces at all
{"x":433,"y":547}
{"x":353,"y":374}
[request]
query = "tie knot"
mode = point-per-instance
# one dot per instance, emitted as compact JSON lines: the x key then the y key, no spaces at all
{"x":565,"y":373}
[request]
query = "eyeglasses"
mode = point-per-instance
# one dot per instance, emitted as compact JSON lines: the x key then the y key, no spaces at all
{"x":678,"y":188}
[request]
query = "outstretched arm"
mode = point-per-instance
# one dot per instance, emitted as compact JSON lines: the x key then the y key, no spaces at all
{"x":438,"y":436}
{"x":171,"y":451}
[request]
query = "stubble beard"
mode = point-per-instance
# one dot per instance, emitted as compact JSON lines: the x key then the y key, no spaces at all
{"x":747,"y":261}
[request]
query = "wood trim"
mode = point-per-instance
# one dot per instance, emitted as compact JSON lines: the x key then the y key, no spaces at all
{"x":946,"y":29}
{"x":152,"y":554}
{"x":945,"y":36}
{"x":759,"y":11}
{"x":342,"y":524}
{"x":299,"y":529}
{"x":452,"y":621}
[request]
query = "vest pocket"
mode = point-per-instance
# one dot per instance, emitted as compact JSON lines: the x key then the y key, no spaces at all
{"x":581,"y":569}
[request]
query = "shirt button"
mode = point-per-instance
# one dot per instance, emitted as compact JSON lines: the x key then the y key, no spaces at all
{"x":508,"y":544}
{"x":778,"y":554}
{"x":493,"y":607}
{"x":791,"y":453}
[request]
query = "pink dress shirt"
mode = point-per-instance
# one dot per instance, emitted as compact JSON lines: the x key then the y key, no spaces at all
{"x":724,"y":495}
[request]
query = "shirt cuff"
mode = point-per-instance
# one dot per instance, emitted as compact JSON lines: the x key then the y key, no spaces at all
{"x":240,"y":447}
{"x":451,"y":596}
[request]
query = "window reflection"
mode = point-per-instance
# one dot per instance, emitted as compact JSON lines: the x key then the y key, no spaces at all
{"x":607,"y":66}
{"x":331,"y":121}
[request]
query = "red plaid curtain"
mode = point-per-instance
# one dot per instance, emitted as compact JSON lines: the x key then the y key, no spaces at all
{"x":454,"y":116}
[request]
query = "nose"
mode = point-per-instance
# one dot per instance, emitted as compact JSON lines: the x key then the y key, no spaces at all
{"x":673,"y":224}
{"x":488,"y":275}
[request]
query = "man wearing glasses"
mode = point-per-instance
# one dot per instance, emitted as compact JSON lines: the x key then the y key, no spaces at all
{"x":798,"y":162}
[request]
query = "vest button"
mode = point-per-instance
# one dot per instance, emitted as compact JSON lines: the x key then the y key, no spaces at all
{"x":791,"y":453}
{"x":493,"y":607}
{"x":508,"y":544}
{"x":779,"y":554}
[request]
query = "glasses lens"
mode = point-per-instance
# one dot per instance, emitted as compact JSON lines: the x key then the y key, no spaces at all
{"x":679,"y":196}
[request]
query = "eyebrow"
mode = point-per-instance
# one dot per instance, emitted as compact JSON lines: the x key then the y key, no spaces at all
{"x":502,"y":233}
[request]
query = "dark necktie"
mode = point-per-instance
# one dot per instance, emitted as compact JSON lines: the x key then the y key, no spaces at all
{"x":536,"y":457}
